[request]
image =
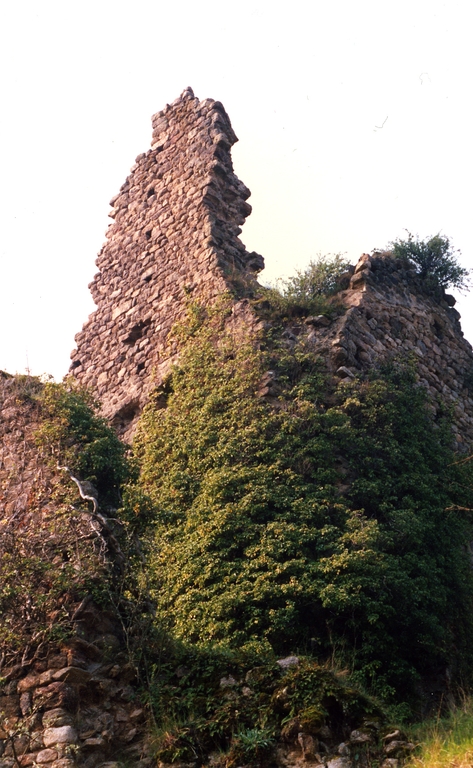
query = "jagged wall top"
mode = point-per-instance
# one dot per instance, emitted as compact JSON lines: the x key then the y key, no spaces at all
{"x":175,"y":235}
{"x":391,"y":313}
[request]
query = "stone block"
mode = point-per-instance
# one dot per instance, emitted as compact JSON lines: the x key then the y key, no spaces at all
{"x":64,"y":734}
{"x":27,"y":683}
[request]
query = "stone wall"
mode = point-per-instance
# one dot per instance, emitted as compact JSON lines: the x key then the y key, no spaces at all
{"x":68,"y":693}
{"x":175,"y":238}
{"x":74,"y":703}
{"x":389,"y":313}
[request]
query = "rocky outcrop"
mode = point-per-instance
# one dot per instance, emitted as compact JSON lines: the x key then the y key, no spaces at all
{"x":174,"y":240}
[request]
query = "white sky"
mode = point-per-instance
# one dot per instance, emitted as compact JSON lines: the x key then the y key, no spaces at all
{"x":307,"y":84}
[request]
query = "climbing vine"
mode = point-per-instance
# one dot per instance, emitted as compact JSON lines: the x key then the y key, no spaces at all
{"x":314,"y":520}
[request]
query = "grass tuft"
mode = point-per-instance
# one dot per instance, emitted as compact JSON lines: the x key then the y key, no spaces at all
{"x":446,"y":742}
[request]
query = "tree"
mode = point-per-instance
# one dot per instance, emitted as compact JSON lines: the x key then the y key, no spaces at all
{"x":435,"y":259}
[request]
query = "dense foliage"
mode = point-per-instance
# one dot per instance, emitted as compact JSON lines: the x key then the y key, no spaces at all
{"x":332,"y":530}
{"x":77,"y":436}
{"x":435,"y":259}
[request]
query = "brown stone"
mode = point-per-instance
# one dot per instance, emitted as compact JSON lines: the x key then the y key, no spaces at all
{"x":28,"y":759}
{"x":10,"y":705}
{"x":27,"y":683}
{"x":25,"y":703}
{"x":308,"y":745}
{"x":56,"y":694}
{"x":318,"y":320}
{"x":72,"y":675}
{"x":63,"y":734}
{"x":46,"y":677}
{"x":54,"y":718}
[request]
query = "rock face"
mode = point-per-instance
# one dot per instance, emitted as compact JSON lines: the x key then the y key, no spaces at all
{"x":174,"y":239}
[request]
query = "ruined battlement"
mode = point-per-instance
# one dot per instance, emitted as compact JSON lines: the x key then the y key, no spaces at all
{"x":389,"y":312}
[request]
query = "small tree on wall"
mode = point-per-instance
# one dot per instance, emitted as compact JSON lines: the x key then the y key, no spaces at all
{"x":435,"y":259}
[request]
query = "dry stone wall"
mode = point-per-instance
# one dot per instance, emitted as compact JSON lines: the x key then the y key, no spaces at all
{"x":74,"y":703}
{"x":174,"y":238}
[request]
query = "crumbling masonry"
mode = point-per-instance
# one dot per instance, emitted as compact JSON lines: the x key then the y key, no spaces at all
{"x":175,"y":238}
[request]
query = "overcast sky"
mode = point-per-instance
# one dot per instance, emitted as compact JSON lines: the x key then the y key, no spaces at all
{"x":354,"y":120}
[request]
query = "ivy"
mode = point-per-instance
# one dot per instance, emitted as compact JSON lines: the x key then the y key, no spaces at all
{"x":314,"y":522}
{"x":75,"y":434}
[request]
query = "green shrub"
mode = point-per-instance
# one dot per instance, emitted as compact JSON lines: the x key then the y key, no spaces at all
{"x":239,"y":703}
{"x":74,"y":433}
{"x":435,"y":260}
{"x":308,"y":291}
{"x":320,"y":278}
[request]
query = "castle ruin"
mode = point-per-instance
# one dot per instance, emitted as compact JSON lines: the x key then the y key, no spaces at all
{"x":175,"y":238}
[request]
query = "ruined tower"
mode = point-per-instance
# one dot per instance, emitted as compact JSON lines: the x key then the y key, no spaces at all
{"x":174,"y":238}
{"x":69,"y":695}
